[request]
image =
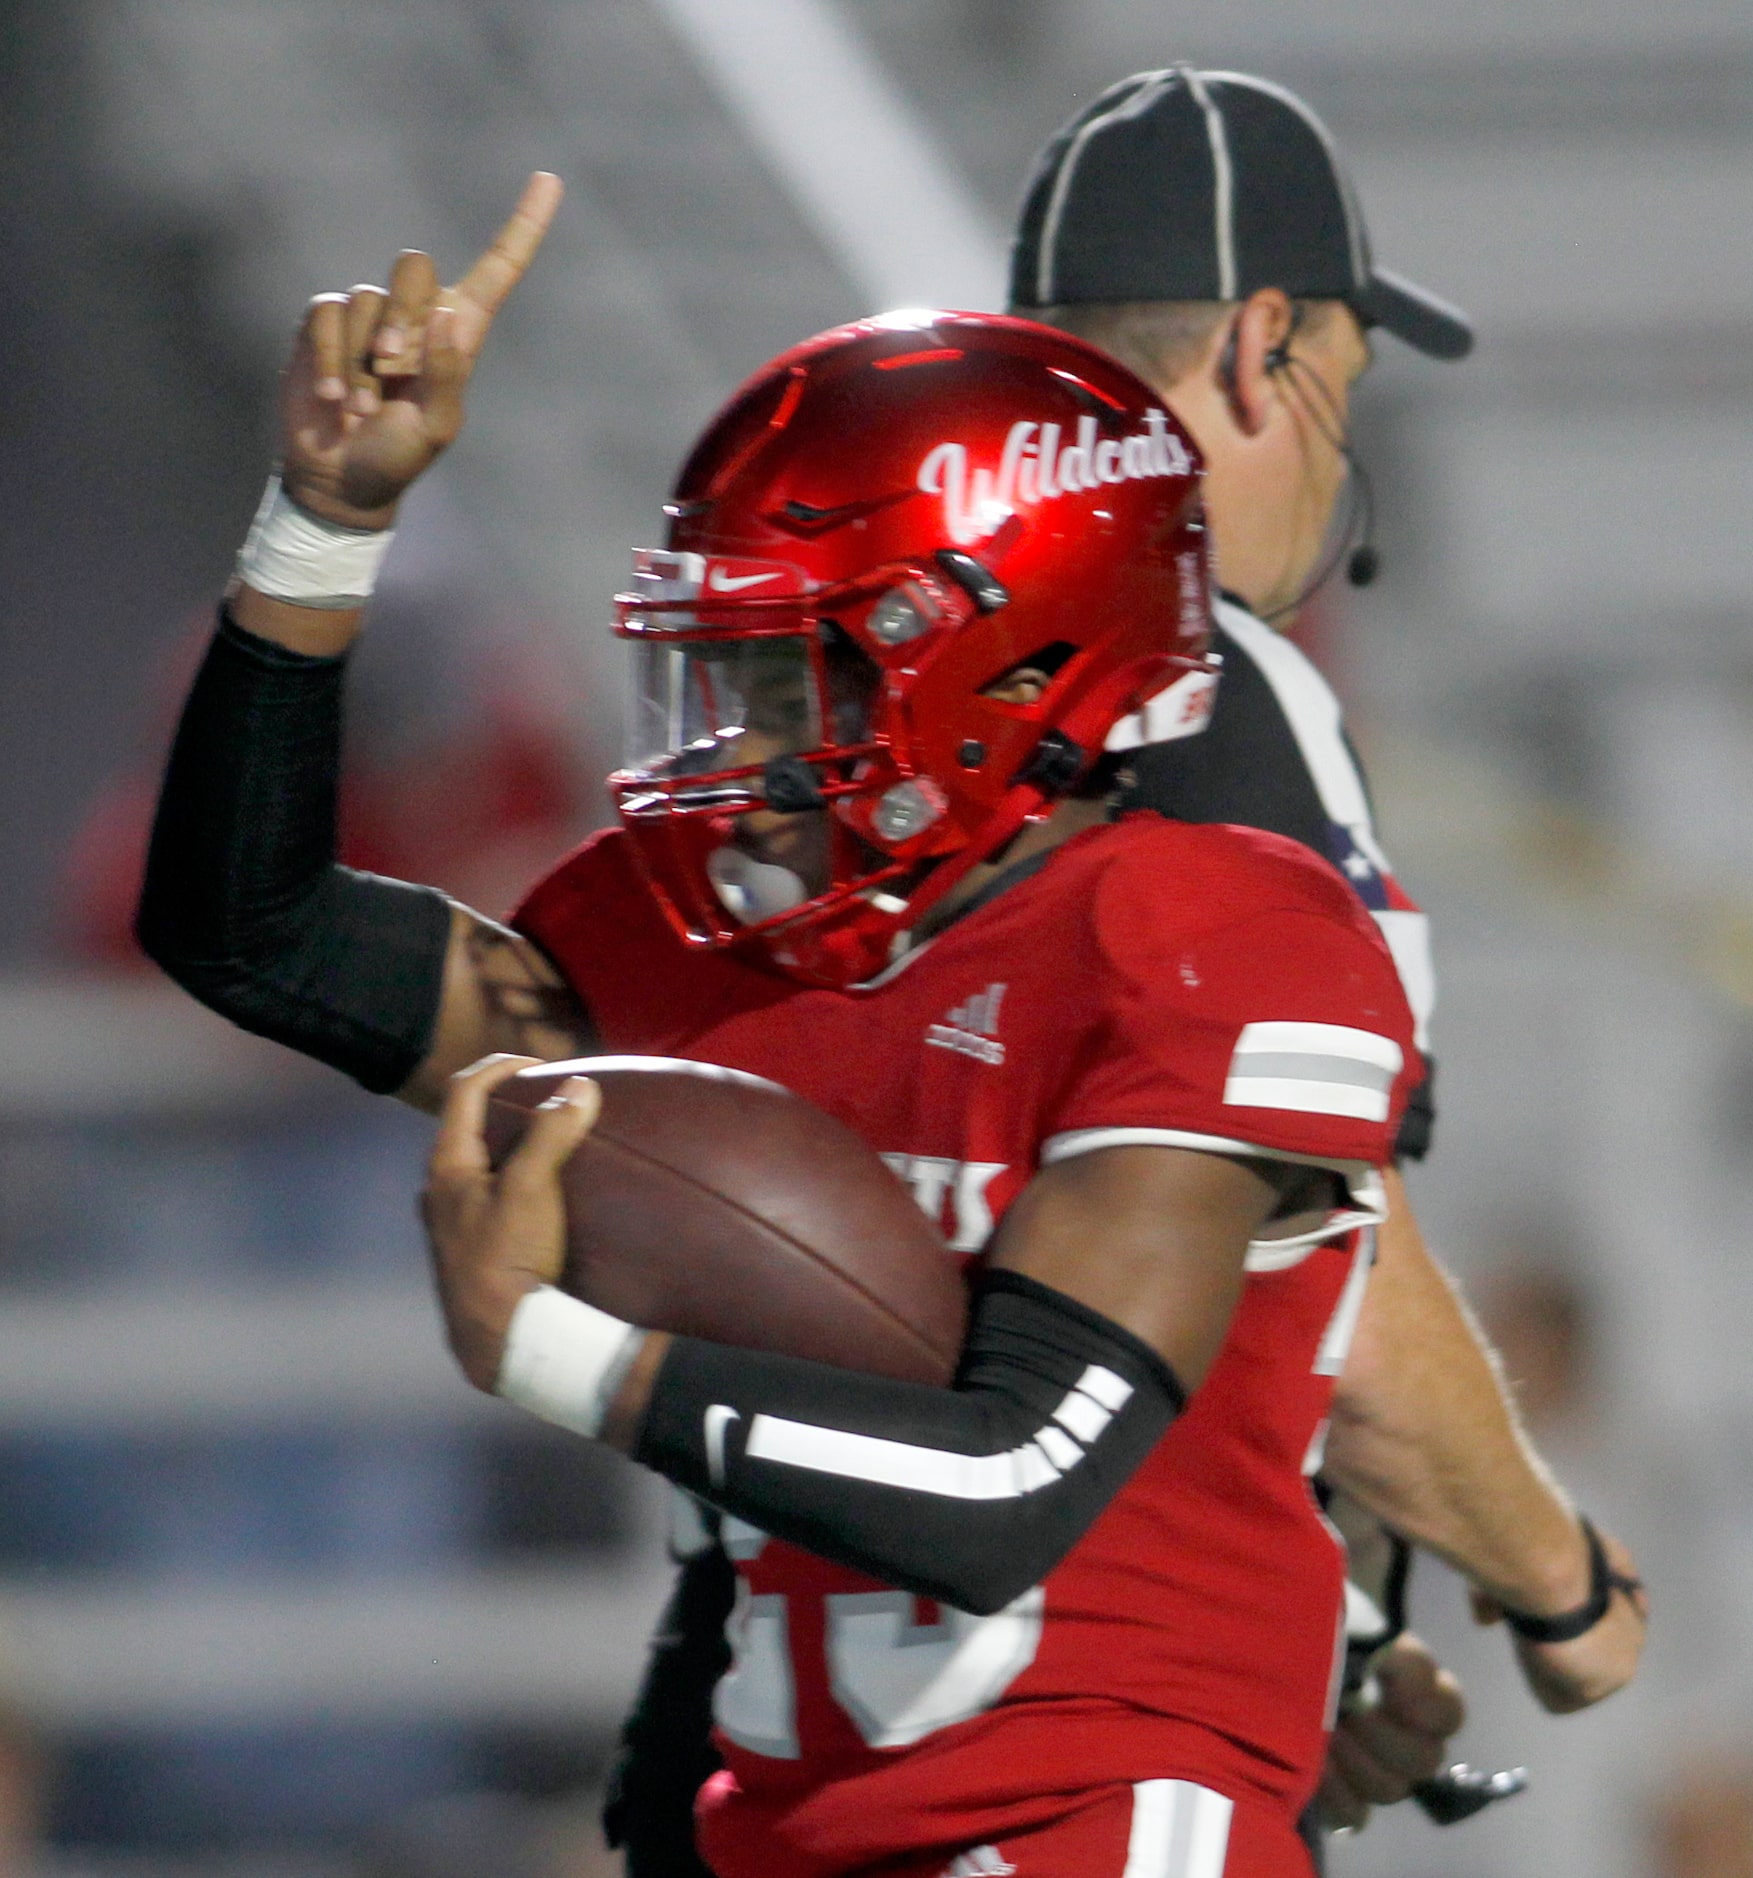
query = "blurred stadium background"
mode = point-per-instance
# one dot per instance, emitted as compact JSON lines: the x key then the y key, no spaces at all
{"x":277,"y":1595}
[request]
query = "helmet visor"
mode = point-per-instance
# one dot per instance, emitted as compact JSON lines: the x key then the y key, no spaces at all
{"x":700,"y":707}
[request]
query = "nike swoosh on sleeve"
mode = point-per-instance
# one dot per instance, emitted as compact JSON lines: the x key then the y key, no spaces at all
{"x":718,"y":1418}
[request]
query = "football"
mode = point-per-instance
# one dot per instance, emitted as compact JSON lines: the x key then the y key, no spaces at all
{"x":719,"y":1205}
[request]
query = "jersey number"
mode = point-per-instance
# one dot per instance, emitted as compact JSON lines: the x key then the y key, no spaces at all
{"x":896,"y":1678}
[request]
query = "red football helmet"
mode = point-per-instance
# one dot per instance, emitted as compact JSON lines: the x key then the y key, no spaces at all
{"x":882,"y":526}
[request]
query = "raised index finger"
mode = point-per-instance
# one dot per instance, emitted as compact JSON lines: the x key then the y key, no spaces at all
{"x":514,"y":247}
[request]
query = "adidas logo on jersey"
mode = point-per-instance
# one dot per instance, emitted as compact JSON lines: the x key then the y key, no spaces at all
{"x":971,"y":1029}
{"x":984,"y":1861}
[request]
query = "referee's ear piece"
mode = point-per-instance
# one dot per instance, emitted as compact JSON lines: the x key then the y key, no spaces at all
{"x":1275,"y":361}
{"x":1226,"y":363}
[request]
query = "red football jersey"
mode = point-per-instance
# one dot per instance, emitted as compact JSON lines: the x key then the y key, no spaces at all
{"x":1197,"y":986}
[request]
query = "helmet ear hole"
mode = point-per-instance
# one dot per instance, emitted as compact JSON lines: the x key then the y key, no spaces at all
{"x":1047,"y":661}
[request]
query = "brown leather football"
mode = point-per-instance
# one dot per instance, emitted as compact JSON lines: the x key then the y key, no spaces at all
{"x":719,"y":1205}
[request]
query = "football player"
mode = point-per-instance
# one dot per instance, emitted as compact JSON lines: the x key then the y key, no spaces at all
{"x":395,"y":985}
{"x":927,"y":580}
{"x":1199,"y":226}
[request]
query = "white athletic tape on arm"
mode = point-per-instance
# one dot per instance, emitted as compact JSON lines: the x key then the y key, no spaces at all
{"x":290,"y":554}
{"x":564,"y":1359}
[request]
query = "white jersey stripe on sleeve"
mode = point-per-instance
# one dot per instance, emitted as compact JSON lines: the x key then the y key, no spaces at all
{"x":1305,"y":1097}
{"x":1297,"y":1066}
{"x":1313,"y":1069}
{"x":1324,"y":1040}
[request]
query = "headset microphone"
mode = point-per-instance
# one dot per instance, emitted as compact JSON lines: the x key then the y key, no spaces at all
{"x":1364,"y":562}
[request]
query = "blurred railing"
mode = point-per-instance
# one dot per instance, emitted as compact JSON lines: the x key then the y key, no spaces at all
{"x":242,"y":1486}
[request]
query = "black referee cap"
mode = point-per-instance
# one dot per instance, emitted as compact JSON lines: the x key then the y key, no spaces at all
{"x":1190,"y":185}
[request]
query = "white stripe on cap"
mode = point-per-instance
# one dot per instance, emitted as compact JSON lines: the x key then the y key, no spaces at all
{"x":1354,"y":240}
{"x":1179,"y":1830}
{"x":1314,"y":1069}
{"x":1140,"y":100}
{"x":1223,"y":194}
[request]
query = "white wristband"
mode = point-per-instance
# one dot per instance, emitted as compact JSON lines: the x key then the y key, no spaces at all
{"x":564,"y":1359}
{"x":290,"y":554}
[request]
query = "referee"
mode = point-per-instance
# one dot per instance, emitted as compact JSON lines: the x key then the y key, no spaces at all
{"x":1198,"y":226}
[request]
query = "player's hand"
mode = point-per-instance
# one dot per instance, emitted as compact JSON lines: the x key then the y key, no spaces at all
{"x":374,"y":389}
{"x":1565,"y":1677}
{"x":497,"y":1236}
{"x":1380,"y":1752}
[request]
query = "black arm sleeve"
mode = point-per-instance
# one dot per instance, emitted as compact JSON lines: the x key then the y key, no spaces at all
{"x":968,"y":1495}
{"x":244,"y":904}
{"x":666,"y":1744}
